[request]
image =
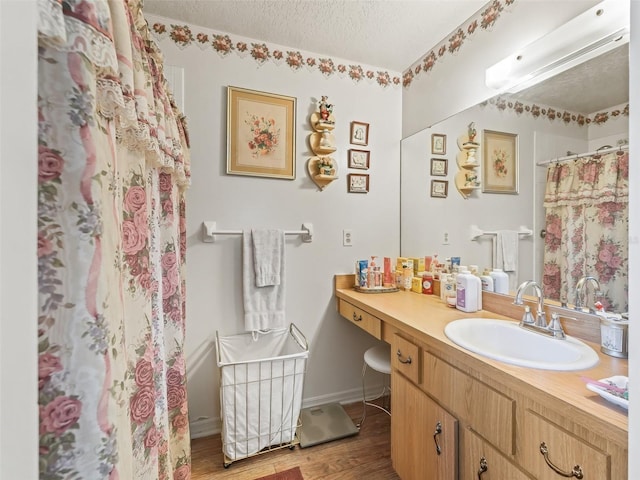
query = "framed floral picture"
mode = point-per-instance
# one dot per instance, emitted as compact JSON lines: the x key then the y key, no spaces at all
{"x":261,"y":134}
{"x":359,"y":133}
{"x":439,"y":167}
{"x":438,"y":144}
{"x":358,"y":183}
{"x":439,"y":188}
{"x":500,"y":162}
{"x":359,"y":159}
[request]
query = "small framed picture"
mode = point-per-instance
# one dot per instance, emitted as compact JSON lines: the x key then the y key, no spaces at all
{"x":359,"y":159}
{"x":359,"y":133}
{"x":439,"y":167}
{"x":358,"y":183}
{"x":438,"y":144}
{"x":439,"y":188}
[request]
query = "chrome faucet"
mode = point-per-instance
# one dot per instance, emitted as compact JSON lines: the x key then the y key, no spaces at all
{"x":581,"y":292}
{"x":541,"y":320}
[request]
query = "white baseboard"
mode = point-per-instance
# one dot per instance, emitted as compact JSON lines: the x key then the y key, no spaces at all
{"x":211,"y":426}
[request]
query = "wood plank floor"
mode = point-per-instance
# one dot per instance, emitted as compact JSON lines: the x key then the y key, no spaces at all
{"x":363,"y":456}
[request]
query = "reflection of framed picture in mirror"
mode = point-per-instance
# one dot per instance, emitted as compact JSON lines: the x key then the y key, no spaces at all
{"x":500,"y":162}
{"x":438,"y":144}
{"x":359,"y":159}
{"x":439,"y":188}
{"x":439,"y":167}
{"x":359,"y":133}
{"x":358,"y":183}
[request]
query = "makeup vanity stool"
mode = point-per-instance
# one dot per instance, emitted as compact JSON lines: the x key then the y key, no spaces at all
{"x":378,"y":359}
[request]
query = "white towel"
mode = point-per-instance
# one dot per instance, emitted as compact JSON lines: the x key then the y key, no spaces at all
{"x":263,"y":306}
{"x":507,"y":255}
{"x":268,"y":252}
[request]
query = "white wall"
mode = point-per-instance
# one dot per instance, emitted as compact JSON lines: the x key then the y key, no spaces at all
{"x":214,"y":292}
{"x":18,"y":266}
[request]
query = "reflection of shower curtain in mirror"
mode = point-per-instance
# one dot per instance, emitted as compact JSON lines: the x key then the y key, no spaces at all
{"x":587,"y":224}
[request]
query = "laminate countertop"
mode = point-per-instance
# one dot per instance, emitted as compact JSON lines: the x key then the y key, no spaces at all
{"x":424,"y":317}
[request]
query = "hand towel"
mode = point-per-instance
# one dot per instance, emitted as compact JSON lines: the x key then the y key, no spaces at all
{"x":263,"y":306}
{"x":268,"y":252}
{"x":507,"y":255}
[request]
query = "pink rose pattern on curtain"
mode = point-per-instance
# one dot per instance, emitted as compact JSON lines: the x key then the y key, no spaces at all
{"x":113,"y":170}
{"x":587,"y":224}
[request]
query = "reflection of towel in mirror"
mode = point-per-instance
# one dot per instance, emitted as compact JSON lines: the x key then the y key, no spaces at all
{"x":263,"y":306}
{"x":507,"y":255}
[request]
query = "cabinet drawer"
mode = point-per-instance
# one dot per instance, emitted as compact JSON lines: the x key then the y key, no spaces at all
{"x":367,"y":322}
{"x":481,"y":460}
{"x":565,"y":451}
{"x":405,"y":358}
{"x":489,"y":412}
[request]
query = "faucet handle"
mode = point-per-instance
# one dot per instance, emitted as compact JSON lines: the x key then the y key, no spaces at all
{"x":527,"y":317}
{"x":555,"y":327}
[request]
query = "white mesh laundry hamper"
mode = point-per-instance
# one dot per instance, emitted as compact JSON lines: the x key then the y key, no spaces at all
{"x":260,"y":390}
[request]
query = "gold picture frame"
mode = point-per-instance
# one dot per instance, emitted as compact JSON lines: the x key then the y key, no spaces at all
{"x":359,"y":159}
{"x":359,"y":133}
{"x":261,"y":134}
{"x":500,"y":162}
{"x":439,"y":188}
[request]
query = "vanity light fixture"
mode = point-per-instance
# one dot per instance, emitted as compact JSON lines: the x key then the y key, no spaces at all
{"x":594,"y":32}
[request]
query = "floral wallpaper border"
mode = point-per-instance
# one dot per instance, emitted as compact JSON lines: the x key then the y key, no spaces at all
{"x":260,"y":52}
{"x":454,"y":41}
{"x":541,"y":111}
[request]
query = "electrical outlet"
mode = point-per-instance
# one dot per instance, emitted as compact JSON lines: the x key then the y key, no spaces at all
{"x":347,"y":238}
{"x":445,"y":238}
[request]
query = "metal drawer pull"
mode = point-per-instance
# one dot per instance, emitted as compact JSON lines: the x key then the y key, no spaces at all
{"x":483,"y":467}
{"x":407,"y":361}
{"x":576,"y":472}
{"x":357,"y":319}
{"x":435,"y":437}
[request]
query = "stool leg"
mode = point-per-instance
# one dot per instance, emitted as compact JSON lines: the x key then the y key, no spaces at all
{"x":364,"y":398}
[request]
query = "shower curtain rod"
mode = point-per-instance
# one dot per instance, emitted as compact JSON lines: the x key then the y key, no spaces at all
{"x":575,"y":156}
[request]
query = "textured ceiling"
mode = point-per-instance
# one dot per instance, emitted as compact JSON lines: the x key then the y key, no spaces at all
{"x":391,"y":34}
{"x":595,"y":85}
{"x":384,"y":33}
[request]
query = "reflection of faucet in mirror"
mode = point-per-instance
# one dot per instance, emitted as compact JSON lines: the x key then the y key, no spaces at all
{"x":541,"y":320}
{"x":581,"y":292}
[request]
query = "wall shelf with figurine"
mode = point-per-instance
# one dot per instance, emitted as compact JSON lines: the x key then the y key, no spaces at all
{"x":322,"y":168}
{"x":466,"y":179}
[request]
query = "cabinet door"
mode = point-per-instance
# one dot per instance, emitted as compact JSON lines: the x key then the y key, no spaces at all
{"x":480,"y":461}
{"x":424,"y":437}
{"x":548,"y":450}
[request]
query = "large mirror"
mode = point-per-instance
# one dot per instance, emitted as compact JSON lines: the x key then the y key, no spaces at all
{"x":431,"y":224}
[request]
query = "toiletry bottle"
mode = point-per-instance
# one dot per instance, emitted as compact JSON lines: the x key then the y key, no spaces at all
{"x":407,"y":276}
{"x":500,"y":281}
{"x":487,"y":281}
{"x":450,"y":292}
{"x":467,"y":289}
{"x":427,"y":283}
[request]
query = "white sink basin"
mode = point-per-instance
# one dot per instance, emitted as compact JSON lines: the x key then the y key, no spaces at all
{"x":508,"y":342}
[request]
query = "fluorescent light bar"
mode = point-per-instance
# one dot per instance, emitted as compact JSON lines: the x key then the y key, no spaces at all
{"x":592,"y":33}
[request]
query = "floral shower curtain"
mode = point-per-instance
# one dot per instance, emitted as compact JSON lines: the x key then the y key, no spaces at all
{"x":113,"y":170}
{"x":587,"y":224}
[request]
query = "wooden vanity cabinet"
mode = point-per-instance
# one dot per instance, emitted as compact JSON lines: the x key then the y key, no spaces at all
{"x":424,"y":437}
{"x":490,"y":429}
{"x":362,"y":319}
{"x":479,"y":460}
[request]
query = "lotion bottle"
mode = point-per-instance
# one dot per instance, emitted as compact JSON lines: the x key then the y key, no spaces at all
{"x":487,"y":281}
{"x":500,"y":281}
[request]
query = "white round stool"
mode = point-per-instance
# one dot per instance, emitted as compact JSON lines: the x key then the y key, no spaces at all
{"x":378,"y":359}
